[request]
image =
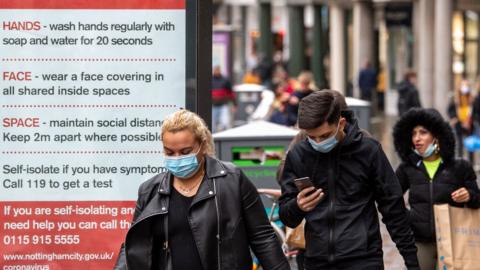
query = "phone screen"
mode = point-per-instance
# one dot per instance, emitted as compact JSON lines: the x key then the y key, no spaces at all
{"x":303,"y":183}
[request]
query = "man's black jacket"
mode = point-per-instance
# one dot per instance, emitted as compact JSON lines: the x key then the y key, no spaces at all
{"x":344,"y":229}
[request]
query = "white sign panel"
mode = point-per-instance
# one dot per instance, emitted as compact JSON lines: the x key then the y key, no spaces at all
{"x":83,"y":93}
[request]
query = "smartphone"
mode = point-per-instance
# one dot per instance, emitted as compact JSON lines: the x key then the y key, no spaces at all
{"x":303,"y":183}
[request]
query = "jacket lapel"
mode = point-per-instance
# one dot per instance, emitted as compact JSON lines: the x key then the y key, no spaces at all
{"x":157,"y":204}
{"x":213,"y":169}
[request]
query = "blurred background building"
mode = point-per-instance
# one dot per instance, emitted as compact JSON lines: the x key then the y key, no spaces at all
{"x":439,"y":39}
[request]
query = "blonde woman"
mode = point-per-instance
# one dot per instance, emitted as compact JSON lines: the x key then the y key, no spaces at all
{"x":201,"y":214}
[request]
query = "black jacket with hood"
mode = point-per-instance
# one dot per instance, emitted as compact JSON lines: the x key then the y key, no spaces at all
{"x":451,"y":175}
{"x":343,"y":230}
{"x":226,"y":217}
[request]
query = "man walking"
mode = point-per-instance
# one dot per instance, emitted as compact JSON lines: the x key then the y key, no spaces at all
{"x":222,"y":100}
{"x":351,"y":174}
{"x":408,"y":93}
{"x":367,"y":81}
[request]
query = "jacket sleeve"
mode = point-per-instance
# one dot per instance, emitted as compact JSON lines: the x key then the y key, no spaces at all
{"x":121,"y":263}
{"x":262,"y":238}
{"x":388,"y":194}
{"x":402,"y":178}
{"x":290,"y":214}
{"x":470,"y":183}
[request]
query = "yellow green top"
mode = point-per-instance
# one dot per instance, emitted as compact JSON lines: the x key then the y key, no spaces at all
{"x":432,"y":167}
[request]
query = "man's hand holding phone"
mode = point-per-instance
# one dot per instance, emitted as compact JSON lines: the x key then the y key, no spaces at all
{"x":309,"y":196}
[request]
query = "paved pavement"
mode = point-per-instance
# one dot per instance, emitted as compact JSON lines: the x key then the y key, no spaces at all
{"x":382,"y":127}
{"x":382,"y":131}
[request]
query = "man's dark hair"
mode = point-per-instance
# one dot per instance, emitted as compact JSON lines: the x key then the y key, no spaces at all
{"x":320,"y":106}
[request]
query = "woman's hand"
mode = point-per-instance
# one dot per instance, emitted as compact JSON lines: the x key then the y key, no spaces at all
{"x":461,"y":195}
{"x":307,"y":202}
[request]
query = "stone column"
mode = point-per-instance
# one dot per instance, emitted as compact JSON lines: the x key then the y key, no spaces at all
{"x":337,"y":48}
{"x":245,"y":36}
{"x":478,"y":52}
{"x":363,"y":39}
{"x":238,"y":43}
{"x":319,"y":48}
{"x":425,"y":52}
{"x":443,"y":54}
{"x":296,"y":29}
{"x":266,"y":36}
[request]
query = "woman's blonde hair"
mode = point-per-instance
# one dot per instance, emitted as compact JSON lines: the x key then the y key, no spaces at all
{"x":187,"y":120}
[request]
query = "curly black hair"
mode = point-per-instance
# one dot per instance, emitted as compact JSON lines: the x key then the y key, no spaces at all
{"x":430,"y":119}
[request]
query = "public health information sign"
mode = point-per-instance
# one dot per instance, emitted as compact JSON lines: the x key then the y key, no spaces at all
{"x":84,"y":88}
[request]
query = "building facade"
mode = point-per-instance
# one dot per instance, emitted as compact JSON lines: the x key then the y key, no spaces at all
{"x":439,"y":39}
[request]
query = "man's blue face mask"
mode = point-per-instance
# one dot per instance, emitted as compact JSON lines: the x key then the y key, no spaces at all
{"x":326,"y":145}
{"x":183,"y":166}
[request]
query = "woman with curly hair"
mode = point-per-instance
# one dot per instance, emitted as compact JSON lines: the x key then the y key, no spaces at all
{"x":426,"y":145}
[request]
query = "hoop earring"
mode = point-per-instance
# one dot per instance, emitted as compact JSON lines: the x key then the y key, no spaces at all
{"x":436,"y":148}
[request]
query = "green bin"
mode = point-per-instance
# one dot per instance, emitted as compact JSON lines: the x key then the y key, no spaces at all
{"x":257,"y":148}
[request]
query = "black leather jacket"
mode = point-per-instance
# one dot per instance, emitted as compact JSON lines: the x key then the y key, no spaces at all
{"x":227,"y":204}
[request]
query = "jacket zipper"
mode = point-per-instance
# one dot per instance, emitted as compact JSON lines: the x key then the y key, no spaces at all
{"x":432,"y":218}
{"x":430,"y":185}
{"x":431,"y":208}
{"x":218,"y":224}
{"x":331,"y":212}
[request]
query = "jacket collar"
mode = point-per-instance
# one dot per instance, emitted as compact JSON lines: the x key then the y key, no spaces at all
{"x":418,"y":160}
{"x":214,"y":168}
{"x":414,"y":159}
{"x":421,"y":166}
{"x":155,"y":205}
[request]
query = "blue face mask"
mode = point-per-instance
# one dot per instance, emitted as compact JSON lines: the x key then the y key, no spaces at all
{"x":183,"y":166}
{"x":326,"y":145}
{"x":428,"y":152}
